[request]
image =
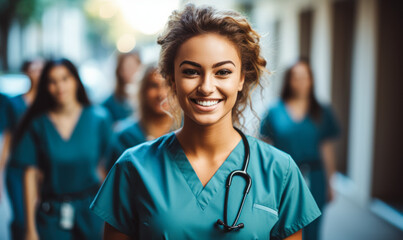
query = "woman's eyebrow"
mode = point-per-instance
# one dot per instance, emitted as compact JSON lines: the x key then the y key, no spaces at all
{"x":222,"y":63}
{"x":190,"y":63}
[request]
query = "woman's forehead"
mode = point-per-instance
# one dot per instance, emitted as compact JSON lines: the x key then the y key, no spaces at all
{"x":207,"y":49}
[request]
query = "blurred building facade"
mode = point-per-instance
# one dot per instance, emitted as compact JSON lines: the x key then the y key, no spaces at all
{"x":354,"y":47}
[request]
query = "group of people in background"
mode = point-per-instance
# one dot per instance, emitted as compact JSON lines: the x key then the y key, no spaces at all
{"x":58,"y":147}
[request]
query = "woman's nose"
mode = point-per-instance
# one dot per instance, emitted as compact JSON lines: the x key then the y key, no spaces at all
{"x":206,"y":86}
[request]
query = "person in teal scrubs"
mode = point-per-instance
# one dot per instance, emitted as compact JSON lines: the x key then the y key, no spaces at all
{"x":153,"y":118}
{"x":5,"y":205}
{"x":4,"y":108}
{"x":298,"y":125}
{"x":174,"y":187}
{"x":118,"y":104}
{"x":18,"y":106}
{"x":59,"y":144}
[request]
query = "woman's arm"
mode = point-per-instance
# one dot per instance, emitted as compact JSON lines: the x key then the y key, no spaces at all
{"x":3,"y":158}
{"x":295,"y":236}
{"x":102,"y":173}
{"x":111,"y":233}
{"x":6,"y":150}
{"x":329,"y":160}
{"x":31,"y":198}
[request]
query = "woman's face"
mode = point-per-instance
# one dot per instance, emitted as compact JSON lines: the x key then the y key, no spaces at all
{"x":34,"y":71}
{"x":300,"y":81}
{"x":62,"y":85}
{"x":207,"y":78}
{"x":129,"y":67}
{"x":156,"y":94}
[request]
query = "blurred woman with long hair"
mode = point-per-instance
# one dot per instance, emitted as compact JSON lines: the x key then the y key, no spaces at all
{"x":59,"y":144}
{"x":118,"y":104}
{"x":303,"y":128}
{"x":153,"y":119}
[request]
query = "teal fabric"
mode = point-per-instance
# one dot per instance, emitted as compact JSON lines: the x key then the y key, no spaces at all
{"x":152,"y":192}
{"x":118,"y":109}
{"x":18,"y":109}
{"x":302,"y":140}
{"x":69,"y":166}
{"x":126,"y":138}
{"x":299,"y":139}
{"x":15,"y":112}
{"x":5,"y":108}
{"x":87,"y":226}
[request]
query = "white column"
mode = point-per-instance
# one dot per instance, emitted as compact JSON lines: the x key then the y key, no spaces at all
{"x":363,"y":93}
{"x":321,"y":50}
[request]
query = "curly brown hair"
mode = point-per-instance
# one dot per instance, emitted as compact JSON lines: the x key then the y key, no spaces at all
{"x":193,"y":21}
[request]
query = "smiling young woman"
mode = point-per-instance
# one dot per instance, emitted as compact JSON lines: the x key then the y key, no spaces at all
{"x":176,"y":187}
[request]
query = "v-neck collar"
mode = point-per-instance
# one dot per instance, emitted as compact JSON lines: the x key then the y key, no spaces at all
{"x":205,"y":194}
{"x":74,"y":129}
{"x":289,"y":115}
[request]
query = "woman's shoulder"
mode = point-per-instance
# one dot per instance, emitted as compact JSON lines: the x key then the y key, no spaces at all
{"x":269,"y":155}
{"x":98,"y":112}
{"x":274,"y":107}
{"x":132,"y":134}
{"x":148,"y":151}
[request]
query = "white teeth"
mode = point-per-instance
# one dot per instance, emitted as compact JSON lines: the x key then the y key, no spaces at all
{"x":207,"y":103}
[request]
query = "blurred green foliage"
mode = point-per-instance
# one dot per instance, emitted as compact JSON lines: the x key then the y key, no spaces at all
{"x":30,"y":10}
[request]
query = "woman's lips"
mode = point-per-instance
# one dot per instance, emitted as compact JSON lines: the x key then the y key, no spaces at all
{"x":206,"y":105}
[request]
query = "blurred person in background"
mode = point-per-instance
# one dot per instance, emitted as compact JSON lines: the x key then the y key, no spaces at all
{"x":118,"y":104}
{"x":17,"y":108}
{"x":153,"y":119}
{"x":5,"y":205}
{"x":303,"y":128}
{"x":59,"y":145}
{"x":176,"y":186}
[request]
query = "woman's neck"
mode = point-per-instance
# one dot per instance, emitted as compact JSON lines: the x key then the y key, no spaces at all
{"x":30,"y":95}
{"x":301,"y":101}
{"x":298,"y":108}
{"x":156,"y":126}
{"x":208,"y":141}
{"x":67,"y":108}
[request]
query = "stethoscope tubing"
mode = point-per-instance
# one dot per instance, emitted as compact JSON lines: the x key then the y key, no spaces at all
{"x":242,"y":173}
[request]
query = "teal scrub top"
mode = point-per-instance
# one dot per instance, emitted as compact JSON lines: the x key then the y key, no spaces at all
{"x":18,"y":107}
{"x":130,"y":136}
{"x":5,"y":109}
{"x":118,"y":109}
{"x":300,"y":139}
{"x":152,"y":192}
{"x":69,"y":166}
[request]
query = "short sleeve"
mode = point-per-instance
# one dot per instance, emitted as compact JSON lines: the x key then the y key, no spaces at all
{"x":330,"y":128}
{"x":114,"y":152}
{"x":297,"y":207}
{"x":266,"y":130}
{"x":115,"y":201}
{"x":25,"y":153}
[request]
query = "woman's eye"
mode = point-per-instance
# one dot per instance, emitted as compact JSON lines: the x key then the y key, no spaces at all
{"x":190,"y":72}
{"x":223,"y":72}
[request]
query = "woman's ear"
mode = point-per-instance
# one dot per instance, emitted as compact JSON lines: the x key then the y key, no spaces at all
{"x":241,"y":82}
{"x":173,"y":84}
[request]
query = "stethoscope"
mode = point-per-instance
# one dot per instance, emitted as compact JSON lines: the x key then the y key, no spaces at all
{"x":248,"y":180}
